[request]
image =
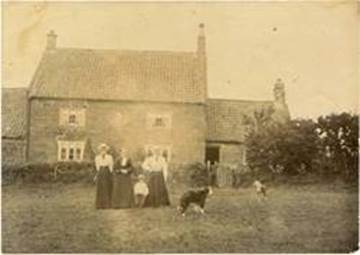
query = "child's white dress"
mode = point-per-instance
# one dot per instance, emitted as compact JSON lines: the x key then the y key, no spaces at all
{"x":141,"y":188}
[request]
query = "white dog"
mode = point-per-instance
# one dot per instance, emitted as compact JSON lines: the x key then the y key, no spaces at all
{"x":260,"y":189}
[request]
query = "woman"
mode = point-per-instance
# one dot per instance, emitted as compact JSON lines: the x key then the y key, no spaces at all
{"x":122,"y":194}
{"x":104,"y":168}
{"x":155,"y":167}
{"x":213,"y":174}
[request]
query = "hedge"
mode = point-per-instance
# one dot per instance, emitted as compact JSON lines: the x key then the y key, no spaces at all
{"x":48,"y":172}
{"x":67,"y":172}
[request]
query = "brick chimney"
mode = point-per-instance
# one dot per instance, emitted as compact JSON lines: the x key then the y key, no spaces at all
{"x":281,"y":108}
{"x":51,"y":40}
{"x":202,"y":60}
{"x":279,"y":91}
{"x":201,"y":47}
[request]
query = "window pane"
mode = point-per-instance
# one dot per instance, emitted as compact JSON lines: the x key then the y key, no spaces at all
{"x":78,"y":154}
{"x":63,"y":154}
{"x":72,"y":119}
{"x":71,"y":154}
{"x":159,"y":122}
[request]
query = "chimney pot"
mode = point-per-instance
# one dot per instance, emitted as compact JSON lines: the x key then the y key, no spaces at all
{"x":51,"y":40}
{"x":202,"y":30}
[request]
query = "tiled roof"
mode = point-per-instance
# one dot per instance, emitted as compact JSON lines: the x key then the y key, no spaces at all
{"x":14,"y":112}
{"x":225,"y":118}
{"x":118,"y":75}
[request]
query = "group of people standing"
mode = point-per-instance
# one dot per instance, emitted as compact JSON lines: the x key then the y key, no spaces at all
{"x":115,"y":187}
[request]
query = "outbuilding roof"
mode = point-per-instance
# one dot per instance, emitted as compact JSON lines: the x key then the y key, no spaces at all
{"x":14,"y":112}
{"x":226,"y":119}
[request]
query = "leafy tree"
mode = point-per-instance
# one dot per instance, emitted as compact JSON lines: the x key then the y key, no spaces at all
{"x":303,"y":145}
{"x":289,"y":147}
{"x":339,"y":136}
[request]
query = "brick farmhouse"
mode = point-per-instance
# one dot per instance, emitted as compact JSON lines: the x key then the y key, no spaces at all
{"x":138,"y":100}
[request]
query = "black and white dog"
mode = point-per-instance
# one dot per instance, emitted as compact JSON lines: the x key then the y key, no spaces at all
{"x":196,"y":197}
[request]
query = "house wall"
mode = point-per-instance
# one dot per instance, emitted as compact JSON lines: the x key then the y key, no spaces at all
{"x":230,"y":153}
{"x":13,"y":151}
{"x":233,"y":153}
{"x":120,"y":125}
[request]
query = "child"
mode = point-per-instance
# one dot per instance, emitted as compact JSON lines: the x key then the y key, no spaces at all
{"x":141,"y":191}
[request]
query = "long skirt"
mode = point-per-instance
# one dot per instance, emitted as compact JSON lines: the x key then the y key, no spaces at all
{"x":122,"y":193}
{"x":103,"y":188}
{"x":158,"y":193}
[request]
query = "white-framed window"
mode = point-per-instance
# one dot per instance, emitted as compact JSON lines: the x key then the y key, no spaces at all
{"x":72,"y":117}
{"x":164,"y":149}
{"x":244,"y":160}
{"x":158,"y":121}
{"x":71,"y":150}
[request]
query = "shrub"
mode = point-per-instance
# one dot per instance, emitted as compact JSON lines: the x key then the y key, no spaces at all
{"x":67,"y":172}
{"x":74,"y":171}
{"x":48,"y":172}
{"x":198,"y":175}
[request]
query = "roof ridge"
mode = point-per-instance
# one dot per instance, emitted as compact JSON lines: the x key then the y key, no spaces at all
{"x":240,"y":100}
{"x":14,"y":87}
{"x":127,"y":51}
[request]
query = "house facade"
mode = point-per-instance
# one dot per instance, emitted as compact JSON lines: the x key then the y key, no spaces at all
{"x":137,"y":100}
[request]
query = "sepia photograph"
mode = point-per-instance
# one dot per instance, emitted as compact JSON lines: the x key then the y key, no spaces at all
{"x":180,"y":127}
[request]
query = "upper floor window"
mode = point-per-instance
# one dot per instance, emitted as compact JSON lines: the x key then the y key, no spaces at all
{"x":72,"y":117}
{"x":71,"y":150}
{"x":159,"y":121}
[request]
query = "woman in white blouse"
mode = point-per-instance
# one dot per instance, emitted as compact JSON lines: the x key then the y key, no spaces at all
{"x":156,"y":167}
{"x":104,"y":167}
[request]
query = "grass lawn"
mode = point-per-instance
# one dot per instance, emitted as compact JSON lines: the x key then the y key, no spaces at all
{"x":48,"y":218}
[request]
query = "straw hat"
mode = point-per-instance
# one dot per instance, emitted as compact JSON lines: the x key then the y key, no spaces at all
{"x":103,"y":146}
{"x":141,"y":177}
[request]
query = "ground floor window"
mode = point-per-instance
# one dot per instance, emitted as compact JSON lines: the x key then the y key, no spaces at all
{"x":71,"y":150}
{"x":165,"y":150}
{"x":244,"y":161}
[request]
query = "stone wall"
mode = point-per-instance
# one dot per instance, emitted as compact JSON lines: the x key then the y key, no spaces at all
{"x":230,"y":153}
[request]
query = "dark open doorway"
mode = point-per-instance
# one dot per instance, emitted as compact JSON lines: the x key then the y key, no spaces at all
{"x":212,"y":154}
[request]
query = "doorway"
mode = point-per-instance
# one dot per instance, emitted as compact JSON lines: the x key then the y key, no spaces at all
{"x":212,"y":154}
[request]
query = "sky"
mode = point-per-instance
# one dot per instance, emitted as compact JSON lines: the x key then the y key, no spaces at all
{"x":311,"y":46}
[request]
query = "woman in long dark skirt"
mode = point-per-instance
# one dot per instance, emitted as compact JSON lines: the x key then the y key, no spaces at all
{"x":122,"y":194}
{"x":155,"y":167}
{"x":104,"y":168}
